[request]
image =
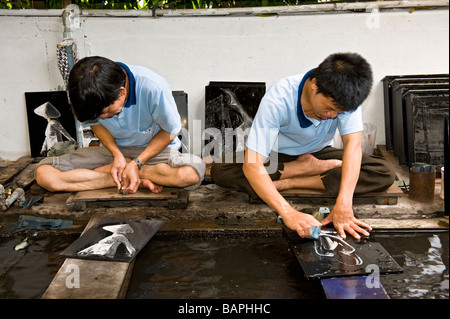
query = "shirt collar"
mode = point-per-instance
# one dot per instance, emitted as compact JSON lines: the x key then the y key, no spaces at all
{"x":131,"y":100}
{"x":304,"y":121}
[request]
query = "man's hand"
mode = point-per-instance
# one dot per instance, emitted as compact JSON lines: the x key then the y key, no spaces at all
{"x":344,"y":221}
{"x":300,"y":222}
{"x":118,"y":165}
{"x":130,"y":177}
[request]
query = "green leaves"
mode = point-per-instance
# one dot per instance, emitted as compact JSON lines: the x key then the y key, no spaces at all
{"x":150,"y":4}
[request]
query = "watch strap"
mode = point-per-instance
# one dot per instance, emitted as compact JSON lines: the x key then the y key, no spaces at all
{"x":138,"y":162}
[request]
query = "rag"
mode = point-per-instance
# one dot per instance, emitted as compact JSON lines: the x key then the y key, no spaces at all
{"x":315,"y":231}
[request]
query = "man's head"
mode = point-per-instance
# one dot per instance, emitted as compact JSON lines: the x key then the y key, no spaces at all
{"x":96,"y":84}
{"x":344,"y":77}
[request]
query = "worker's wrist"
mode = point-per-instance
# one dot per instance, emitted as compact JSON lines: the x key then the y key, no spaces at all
{"x":138,"y":162}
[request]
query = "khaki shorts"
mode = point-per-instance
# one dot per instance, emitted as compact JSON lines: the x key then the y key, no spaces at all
{"x":93,"y":157}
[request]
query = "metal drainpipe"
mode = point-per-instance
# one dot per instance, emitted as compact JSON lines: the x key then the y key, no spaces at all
{"x":71,"y":22}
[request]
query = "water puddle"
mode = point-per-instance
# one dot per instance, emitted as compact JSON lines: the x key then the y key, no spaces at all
{"x":26,"y":273}
{"x":232,"y":266}
{"x":220,"y":267}
{"x":424,"y":258}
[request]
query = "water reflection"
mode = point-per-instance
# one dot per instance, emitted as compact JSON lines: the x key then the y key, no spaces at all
{"x":424,"y":259}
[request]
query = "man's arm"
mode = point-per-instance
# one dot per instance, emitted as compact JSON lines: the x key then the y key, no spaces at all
{"x":108,"y":141}
{"x":342,"y":212}
{"x":262,"y":184}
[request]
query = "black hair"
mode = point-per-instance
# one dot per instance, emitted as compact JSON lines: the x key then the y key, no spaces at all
{"x":94,"y":83}
{"x":346,"y":78}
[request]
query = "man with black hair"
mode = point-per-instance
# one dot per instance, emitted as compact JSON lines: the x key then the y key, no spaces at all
{"x":294,"y":128}
{"x":133,"y":113}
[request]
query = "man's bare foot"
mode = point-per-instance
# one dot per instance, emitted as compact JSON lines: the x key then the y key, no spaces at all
{"x":155,"y":188}
{"x":309,"y":165}
{"x":281,"y":185}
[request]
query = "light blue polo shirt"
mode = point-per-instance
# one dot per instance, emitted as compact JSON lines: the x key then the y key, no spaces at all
{"x":149,"y":107}
{"x":281,"y":125}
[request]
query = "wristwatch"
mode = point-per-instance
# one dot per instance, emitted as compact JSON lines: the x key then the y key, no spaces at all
{"x":138,"y":162}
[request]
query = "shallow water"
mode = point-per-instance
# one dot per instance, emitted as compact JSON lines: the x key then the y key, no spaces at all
{"x":255,"y":266}
{"x":424,"y":258}
{"x":220,"y":267}
{"x":26,"y":274}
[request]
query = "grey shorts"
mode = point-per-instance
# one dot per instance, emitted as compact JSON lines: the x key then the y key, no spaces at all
{"x":93,"y":157}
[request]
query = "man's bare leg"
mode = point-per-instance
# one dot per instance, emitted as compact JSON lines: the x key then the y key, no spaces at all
{"x":308,"y":165}
{"x":304,"y":182}
{"x":304,"y":172}
{"x":78,"y":179}
{"x":165,"y":175}
{"x":154,"y":177}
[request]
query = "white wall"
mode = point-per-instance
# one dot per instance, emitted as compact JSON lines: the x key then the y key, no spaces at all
{"x":194,"y":50}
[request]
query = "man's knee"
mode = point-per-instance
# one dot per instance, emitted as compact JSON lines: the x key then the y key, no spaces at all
{"x":45,"y":177}
{"x":187,"y":176}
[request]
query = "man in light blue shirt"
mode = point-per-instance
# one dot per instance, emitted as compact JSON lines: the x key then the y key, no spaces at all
{"x":133,"y":113}
{"x":294,"y":128}
{"x":273,"y":122}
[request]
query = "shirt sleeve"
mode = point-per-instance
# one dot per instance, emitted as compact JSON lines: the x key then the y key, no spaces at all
{"x":266,"y":124}
{"x":164,"y":110}
{"x":350,"y":122}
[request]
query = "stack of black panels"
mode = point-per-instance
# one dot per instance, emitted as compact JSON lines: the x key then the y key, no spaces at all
{"x":415,"y":107}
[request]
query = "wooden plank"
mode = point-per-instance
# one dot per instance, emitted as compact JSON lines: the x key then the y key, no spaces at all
{"x":96,"y":279}
{"x":108,"y":194}
{"x":388,"y":197}
{"x":394,"y":190}
{"x":13,"y":169}
{"x":173,"y":198}
{"x":26,"y":177}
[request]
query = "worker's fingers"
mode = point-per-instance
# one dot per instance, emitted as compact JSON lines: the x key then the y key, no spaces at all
{"x":116,"y":177}
{"x":340,"y":229}
{"x":125,"y":183}
{"x":352,"y":232}
{"x":132,"y":186}
{"x":326,"y":220}
{"x":363,"y":224}
{"x":302,"y":232}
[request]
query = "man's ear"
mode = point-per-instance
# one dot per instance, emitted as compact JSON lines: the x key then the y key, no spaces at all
{"x":314,"y":87}
{"x":123,"y":92}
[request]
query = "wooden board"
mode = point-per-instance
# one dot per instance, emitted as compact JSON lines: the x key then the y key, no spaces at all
{"x":13,"y":169}
{"x":26,"y":177}
{"x":96,"y":279}
{"x":173,"y":198}
{"x":388,"y":197}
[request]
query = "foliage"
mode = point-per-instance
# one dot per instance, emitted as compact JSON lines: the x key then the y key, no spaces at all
{"x":152,"y":4}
